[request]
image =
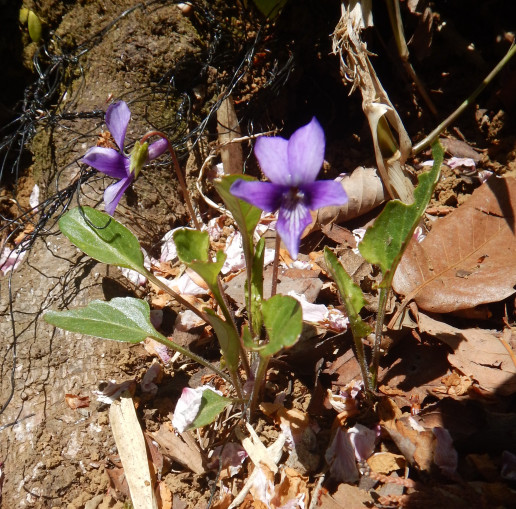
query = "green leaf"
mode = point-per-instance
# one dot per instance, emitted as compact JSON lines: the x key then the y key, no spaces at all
{"x":350,"y":293}
{"x":192,"y":248}
{"x":192,"y":245}
{"x":35,"y":26}
{"x":121,"y":319}
{"x":23,"y":15}
{"x":212,"y":404}
{"x":210,"y":271}
{"x":247,"y":339}
{"x":270,"y":8}
{"x":246,"y":215}
{"x":283,"y":319}
{"x":107,"y":241}
{"x":385,"y":242}
{"x":228,"y":339}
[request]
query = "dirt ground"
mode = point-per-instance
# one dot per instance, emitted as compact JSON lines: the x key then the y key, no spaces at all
{"x":170,"y":65}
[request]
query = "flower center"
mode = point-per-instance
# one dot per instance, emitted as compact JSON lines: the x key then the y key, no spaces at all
{"x":293,"y":197}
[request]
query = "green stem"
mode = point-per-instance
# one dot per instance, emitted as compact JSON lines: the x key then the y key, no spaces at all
{"x":382,"y":304}
{"x":258,"y":381}
{"x":200,"y":360}
{"x":428,"y":140}
{"x":221,"y":299}
{"x":362,"y":362}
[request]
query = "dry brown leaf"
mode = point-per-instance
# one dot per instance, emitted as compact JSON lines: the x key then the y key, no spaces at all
{"x":309,"y":285}
{"x":459,"y":148}
{"x":182,"y":449}
{"x":348,"y":496}
{"x":418,"y":446}
{"x":469,"y":257}
{"x":75,"y":402}
{"x":454,"y":385}
{"x":386,"y":462}
{"x":229,"y":129}
{"x":292,"y":487}
{"x":119,"y":489}
{"x":365,"y":192}
{"x":476,"y":353}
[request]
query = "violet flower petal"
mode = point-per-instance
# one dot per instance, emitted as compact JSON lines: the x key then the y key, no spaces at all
{"x":264,"y":195}
{"x":117,"y":119}
{"x":114,"y":192}
{"x":108,"y":161}
{"x":272,"y":156}
{"x":291,"y":223}
{"x":306,"y":153}
{"x":324,"y":193}
{"x":157,"y":148}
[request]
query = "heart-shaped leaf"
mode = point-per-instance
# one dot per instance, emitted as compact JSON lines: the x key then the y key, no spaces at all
{"x":192,"y":245}
{"x":102,"y":238}
{"x":192,"y":249}
{"x":283,"y":320}
{"x":212,"y":404}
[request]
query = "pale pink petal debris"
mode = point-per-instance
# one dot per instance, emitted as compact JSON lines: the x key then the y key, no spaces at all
{"x":188,"y":406}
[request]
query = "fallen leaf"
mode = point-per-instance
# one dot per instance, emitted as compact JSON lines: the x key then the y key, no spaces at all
{"x":346,"y":368}
{"x":468,"y":258}
{"x":118,"y":483}
{"x":454,"y":384}
{"x":415,"y":442}
{"x":291,"y":490}
{"x":348,"y":496}
{"x":365,"y":192}
{"x":156,"y":458}
{"x":256,"y":451}
{"x":181,"y":448}
{"x":459,"y":148}
{"x":75,"y":402}
{"x":476,"y":353}
{"x":132,"y":450}
{"x":386,"y":462}
{"x":301,"y":438}
{"x":307,"y":286}
{"x":227,"y":459}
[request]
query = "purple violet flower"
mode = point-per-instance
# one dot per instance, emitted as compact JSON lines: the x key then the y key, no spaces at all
{"x":117,"y":164}
{"x":291,"y":166}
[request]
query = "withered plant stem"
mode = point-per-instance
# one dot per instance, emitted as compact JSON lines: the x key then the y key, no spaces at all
{"x":428,"y":140}
{"x":179,"y":175}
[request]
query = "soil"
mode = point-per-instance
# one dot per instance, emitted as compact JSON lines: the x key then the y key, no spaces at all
{"x":171,"y":65}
